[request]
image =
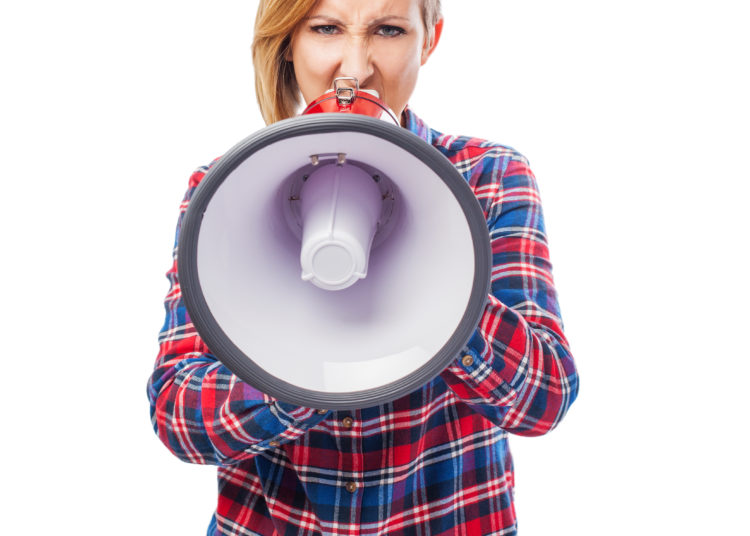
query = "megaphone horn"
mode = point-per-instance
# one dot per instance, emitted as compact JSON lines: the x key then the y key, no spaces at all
{"x":335,"y":260}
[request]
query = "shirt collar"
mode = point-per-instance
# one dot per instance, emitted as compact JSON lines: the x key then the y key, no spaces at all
{"x":417,"y":126}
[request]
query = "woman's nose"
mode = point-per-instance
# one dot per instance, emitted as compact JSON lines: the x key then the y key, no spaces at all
{"x":356,"y":61}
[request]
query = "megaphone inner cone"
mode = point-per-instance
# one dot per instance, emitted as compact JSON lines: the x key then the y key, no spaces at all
{"x":341,"y":205}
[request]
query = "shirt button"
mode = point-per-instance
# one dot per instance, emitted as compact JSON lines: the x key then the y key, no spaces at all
{"x":273,"y":443}
{"x":351,"y":487}
{"x":467,"y":360}
{"x":347,"y":422}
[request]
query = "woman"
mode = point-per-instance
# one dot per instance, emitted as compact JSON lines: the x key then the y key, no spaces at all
{"x":435,"y":461}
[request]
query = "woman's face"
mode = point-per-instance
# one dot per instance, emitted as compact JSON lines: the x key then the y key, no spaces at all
{"x":380,"y":42}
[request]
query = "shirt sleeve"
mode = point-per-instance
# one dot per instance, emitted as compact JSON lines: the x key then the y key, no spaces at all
{"x":517,"y":369}
{"x":200,"y":410}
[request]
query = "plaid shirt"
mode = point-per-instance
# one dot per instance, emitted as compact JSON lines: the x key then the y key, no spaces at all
{"x":435,"y":462}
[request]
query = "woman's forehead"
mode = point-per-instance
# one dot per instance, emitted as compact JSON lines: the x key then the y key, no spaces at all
{"x":366,"y":10}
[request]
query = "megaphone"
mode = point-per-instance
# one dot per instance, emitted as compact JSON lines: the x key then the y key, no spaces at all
{"x":335,"y":260}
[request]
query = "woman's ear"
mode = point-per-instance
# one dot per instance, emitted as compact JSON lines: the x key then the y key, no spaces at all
{"x":430,"y":44}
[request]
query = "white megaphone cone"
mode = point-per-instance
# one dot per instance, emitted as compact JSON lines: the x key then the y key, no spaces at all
{"x":388,"y":237}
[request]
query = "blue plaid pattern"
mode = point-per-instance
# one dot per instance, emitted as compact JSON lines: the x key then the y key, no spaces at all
{"x":435,"y":462}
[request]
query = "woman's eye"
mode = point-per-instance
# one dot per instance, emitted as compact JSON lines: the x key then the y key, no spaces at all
{"x":325,"y":29}
{"x":390,"y":31}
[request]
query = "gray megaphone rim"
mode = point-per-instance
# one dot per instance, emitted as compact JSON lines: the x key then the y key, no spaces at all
{"x":241,"y":364}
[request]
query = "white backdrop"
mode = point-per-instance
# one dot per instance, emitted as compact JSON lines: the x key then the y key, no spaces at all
{"x":634,"y":116}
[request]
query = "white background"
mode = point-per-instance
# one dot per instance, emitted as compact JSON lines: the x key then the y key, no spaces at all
{"x":634,"y":116}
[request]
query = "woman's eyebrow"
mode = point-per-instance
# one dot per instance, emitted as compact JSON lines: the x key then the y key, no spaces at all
{"x":389,"y":18}
{"x":326,"y":18}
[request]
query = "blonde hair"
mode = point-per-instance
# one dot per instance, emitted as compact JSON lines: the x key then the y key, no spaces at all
{"x":275,"y":84}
